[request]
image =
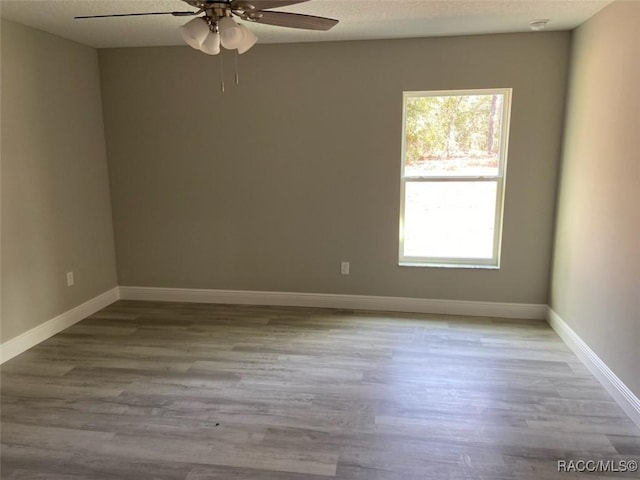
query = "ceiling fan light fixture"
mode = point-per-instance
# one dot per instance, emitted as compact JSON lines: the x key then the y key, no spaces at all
{"x":248,"y":40}
{"x":231,"y":35}
{"x":211,"y":44}
{"x":194,"y":32}
{"x":217,"y":28}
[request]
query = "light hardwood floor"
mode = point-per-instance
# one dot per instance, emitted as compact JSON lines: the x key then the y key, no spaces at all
{"x":168,"y":391}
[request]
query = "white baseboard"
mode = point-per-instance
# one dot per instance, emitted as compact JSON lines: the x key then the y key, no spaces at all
{"x":25,"y":341}
{"x":356,"y":302}
{"x":609,"y":380}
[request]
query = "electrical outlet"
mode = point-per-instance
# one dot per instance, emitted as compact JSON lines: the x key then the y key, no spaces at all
{"x":344,"y":268}
{"x":70,"y":280}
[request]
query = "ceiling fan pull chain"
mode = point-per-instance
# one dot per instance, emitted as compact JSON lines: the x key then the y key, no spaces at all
{"x":221,"y":73}
{"x":236,"y":61}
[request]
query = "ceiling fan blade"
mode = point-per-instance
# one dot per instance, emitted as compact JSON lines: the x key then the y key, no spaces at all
{"x":175,"y":14}
{"x":263,"y":4}
{"x":295,"y":20}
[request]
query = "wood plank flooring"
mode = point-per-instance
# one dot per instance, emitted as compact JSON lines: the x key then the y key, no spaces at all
{"x":172,"y":391}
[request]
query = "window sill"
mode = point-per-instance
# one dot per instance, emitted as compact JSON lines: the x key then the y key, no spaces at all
{"x":448,"y":265}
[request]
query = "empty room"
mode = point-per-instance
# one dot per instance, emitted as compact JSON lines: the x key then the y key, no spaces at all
{"x":314,"y":239}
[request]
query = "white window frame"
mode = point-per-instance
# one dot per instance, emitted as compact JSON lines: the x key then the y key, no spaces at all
{"x":499,"y":179}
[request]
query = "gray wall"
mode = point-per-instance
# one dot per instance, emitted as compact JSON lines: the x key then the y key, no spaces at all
{"x":56,"y":213}
{"x":270,"y":185}
{"x":596,"y":268}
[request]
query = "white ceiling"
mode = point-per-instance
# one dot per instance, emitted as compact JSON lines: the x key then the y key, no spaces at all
{"x":359,"y":19}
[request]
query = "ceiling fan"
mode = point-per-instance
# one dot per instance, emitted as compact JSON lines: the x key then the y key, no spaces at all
{"x":217,"y":26}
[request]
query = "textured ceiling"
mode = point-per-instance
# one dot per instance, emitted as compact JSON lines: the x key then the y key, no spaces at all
{"x":359,"y":19}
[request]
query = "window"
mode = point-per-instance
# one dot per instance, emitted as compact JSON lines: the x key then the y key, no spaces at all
{"x":453,"y":170}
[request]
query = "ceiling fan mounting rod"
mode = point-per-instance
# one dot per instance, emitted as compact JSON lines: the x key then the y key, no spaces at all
{"x":213,"y":11}
{"x":208,"y":5}
{"x":217,"y":9}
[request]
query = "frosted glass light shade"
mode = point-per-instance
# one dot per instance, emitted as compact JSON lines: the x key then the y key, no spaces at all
{"x":248,"y":39}
{"x":211,"y":45}
{"x":194,"y":32}
{"x":231,"y":35}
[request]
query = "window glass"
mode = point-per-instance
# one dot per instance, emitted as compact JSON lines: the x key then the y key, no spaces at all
{"x":453,"y":171}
